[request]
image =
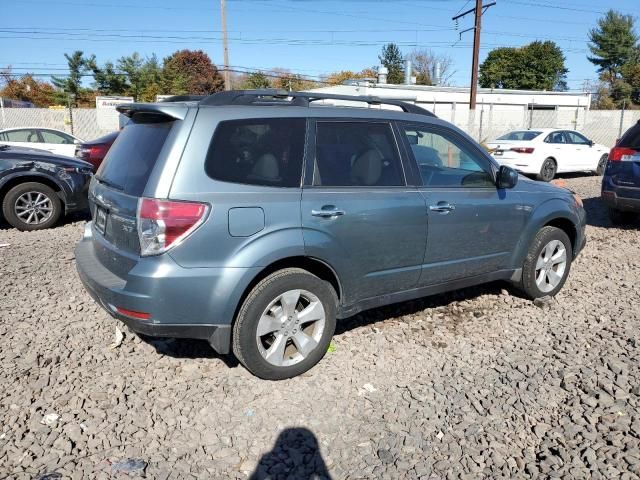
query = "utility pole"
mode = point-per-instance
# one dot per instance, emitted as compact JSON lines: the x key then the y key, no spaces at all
{"x":478,"y":10}
{"x":225,"y":44}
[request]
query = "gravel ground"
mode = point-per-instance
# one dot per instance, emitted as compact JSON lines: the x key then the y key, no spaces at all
{"x":477,"y":383}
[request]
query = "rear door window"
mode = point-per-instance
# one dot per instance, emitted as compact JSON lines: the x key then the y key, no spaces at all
{"x":54,"y":137}
{"x":131,"y":159}
{"x":356,"y":154}
{"x":265,"y":151}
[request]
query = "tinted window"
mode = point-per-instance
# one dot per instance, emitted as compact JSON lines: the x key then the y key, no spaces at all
{"x":55,"y":137}
{"x":444,"y":161}
{"x":524,"y":135}
{"x":556,"y":137}
{"x":631,"y":139}
{"x":356,"y":154}
{"x":265,"y":151}
{"x":130,"y":160}
{"x":576,"y":138}
{"x":30,"y":136}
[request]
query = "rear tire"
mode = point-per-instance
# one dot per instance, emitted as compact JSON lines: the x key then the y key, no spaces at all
{"x":547,"y":265}
{"x":31,"y":206}
{"x":602,"y":165}
{"x":548,"y":170}
{"x":285,"y":324}
{"x":618,"y":217}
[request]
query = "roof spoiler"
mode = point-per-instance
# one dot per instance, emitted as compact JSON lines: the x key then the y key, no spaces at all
{"x":179,"y":112}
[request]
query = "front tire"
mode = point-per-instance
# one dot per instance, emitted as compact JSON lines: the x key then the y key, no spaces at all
{"x":285,"y":324}
{"x":548,"y":170}
{"x":602,"y":165}
{"x":31,"y":206}
{"x":547,"y":265}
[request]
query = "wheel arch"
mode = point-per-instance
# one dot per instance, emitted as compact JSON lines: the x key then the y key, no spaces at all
{"x":553,"y":212}
{"x":312,"y":265}
{"x":16,"y":180}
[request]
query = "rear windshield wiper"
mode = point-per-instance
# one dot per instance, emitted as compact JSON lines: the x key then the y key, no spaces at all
{"x":109,"y":184}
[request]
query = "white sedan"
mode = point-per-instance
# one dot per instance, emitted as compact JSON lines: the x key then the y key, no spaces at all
{"x":545,"y":151}
{"x":54,"y":141}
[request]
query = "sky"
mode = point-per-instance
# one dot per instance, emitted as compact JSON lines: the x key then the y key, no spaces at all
{"x":309,"y":37}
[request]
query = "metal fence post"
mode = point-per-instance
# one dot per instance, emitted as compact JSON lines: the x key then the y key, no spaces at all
{"x":4,"y":120}
{"x":624,"y":103}
{"x":531,"y":116}
{"x":453,"y":113}
{"x":480,"y":127}
{"x":70,"y":113}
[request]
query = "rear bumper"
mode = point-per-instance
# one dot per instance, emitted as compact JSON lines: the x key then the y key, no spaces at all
{"x":183,"y":303}
{"x":617,"y":200}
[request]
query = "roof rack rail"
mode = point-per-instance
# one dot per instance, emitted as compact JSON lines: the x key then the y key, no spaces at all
{"x":183,"y":98}
{"x":302,"y":99}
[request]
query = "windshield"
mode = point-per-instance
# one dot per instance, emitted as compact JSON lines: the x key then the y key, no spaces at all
{"x":523,"y":135}
{"x":128,"y":164}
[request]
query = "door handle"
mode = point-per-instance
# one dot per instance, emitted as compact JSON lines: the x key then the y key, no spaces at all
{"x":328,"y":213}
{"x":442,"y":208}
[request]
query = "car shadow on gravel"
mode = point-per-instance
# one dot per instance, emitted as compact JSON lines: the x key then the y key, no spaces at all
{"x":188,"y":349}
{"x":296,"y":454}
{"x":412,"y":307}
{"x":598,"y":216}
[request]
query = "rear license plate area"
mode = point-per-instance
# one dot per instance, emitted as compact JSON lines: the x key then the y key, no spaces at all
{"x":101,"y":219}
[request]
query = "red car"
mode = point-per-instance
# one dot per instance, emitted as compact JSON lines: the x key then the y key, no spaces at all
{"x":94,"y":151}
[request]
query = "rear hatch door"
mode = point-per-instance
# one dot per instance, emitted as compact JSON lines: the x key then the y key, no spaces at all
{"x":626,"y":172}
{"x":126,"y":174}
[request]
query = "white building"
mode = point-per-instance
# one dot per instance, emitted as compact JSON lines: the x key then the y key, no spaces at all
{"x":497,"y":110}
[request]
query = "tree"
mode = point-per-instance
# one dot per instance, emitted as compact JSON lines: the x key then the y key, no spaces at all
{"x":425,"y":64}
{"x":27,"y":89}
{"x":107,"y":80}
{"x":191,"y":72}
{"x":613,"y":44}
{"x":537,"y":66}
{"x":131,"y":66}
{"x":256,"y":80}
{"x":338,"y":78}
{"x":286,"y":80}
{"x":391,"y":57}
{"x":151,"y":75}
{"x":78,"y":67}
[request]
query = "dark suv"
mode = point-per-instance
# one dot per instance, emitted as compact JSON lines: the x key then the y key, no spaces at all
{"x":256,"y":219}
{"x":621,"y":180}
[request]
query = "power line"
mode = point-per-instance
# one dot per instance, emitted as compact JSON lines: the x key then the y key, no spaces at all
{"x":558,"y":7}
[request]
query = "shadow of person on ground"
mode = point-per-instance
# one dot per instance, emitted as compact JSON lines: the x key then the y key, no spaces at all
{"x":295,"y":455}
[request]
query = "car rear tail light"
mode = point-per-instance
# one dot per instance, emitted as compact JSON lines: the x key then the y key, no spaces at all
{"x":133,"y":313}
{"x":523,"y":149}
{"x":163,"y":224}
{"x":617,"y":154}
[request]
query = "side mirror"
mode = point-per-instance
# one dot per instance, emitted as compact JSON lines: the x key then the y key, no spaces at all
{"x":507,"y":177}
{"x":591,"y":143}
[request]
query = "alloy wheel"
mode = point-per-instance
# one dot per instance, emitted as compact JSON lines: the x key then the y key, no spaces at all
{"x":290,"y":328}
{"x":551,"y":265}
{"x":33,"y":208}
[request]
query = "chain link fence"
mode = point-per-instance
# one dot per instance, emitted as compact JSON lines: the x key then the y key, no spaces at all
{"x":81,"y":122}
{"x":486,"y":123}
{"x":490,"y":121}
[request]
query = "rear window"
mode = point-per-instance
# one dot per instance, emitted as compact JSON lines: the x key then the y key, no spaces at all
{"x":133,"y":155}
{"x":265,"y":152}
{"x":524,"y":135}
{"x":631,"y":139}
